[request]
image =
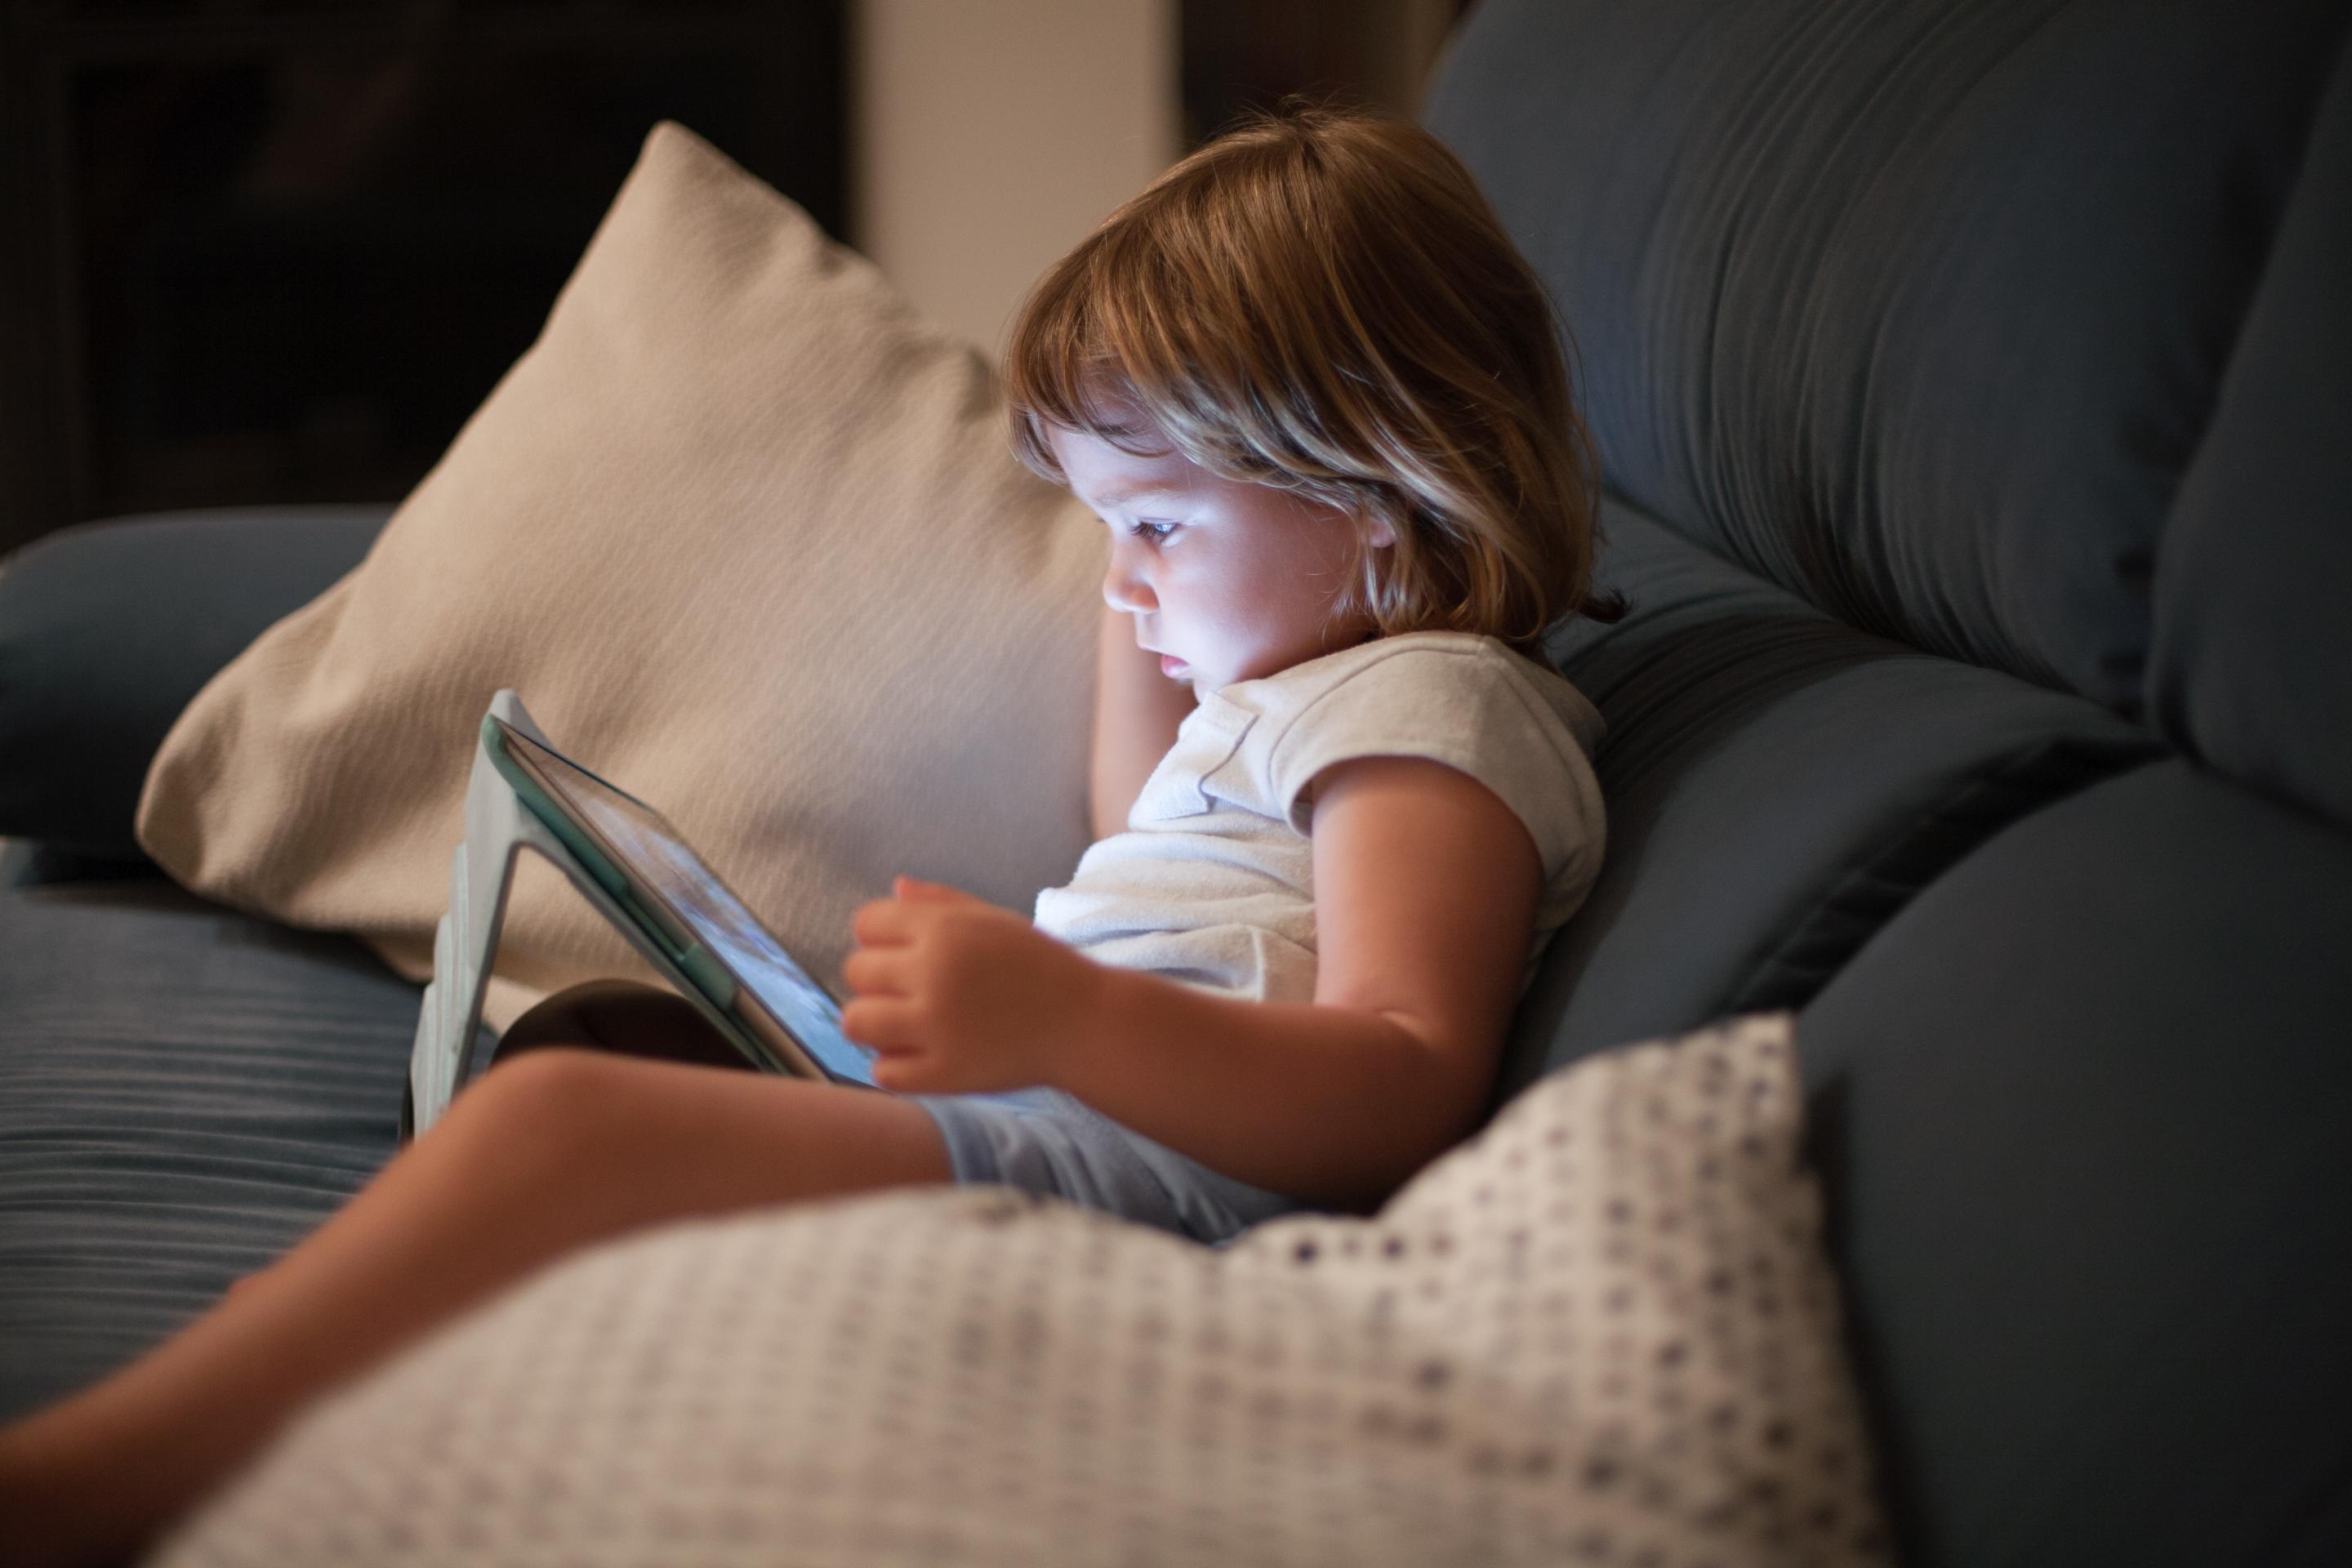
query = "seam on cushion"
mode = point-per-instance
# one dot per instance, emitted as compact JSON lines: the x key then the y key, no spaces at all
{"x":2294,"y":179}
{"x":1874,"y":889}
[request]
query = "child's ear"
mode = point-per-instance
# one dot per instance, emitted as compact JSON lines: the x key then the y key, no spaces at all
{"x":1377,"y":534}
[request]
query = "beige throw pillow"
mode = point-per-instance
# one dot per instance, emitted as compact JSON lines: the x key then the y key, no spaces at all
{"x":747,"y":537}
{"x":1603,"y":1331}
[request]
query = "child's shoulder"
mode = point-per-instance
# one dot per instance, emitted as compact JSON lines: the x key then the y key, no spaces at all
{"x":1519,"y":728}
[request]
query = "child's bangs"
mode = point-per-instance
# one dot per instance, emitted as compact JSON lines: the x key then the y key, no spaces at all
{"x":1075,"y":364}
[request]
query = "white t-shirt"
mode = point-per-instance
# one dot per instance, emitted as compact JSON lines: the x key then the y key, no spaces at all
{"x":1212,"y":884}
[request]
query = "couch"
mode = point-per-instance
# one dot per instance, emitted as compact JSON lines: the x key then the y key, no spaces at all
{"x":1972,"y":385}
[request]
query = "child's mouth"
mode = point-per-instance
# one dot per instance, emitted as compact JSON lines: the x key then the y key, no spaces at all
{"x":1172,"y":667}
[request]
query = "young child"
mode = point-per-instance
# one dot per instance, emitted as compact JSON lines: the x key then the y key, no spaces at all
{"x":1318,"y":398}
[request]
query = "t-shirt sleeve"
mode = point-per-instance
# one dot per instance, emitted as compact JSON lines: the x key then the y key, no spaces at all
{"x":1466,"y":710}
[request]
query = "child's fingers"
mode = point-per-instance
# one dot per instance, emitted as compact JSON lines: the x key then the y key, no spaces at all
{"x":885,"y":921}
{"x":884,"y":1022}
{"x":901,"y":1075}
{"x":915,"y":890}
{"x":877,"y":971}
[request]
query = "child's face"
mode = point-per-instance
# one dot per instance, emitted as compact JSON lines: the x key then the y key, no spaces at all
{"x":1240,"y":581}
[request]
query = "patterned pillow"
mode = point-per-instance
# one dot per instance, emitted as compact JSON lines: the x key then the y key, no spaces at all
{"x":1602,"y":1332}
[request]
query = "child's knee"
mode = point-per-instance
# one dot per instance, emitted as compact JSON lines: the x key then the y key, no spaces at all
{"x":551,"y":1104}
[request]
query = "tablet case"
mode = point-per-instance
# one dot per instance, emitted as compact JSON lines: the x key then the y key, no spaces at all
{"x":499,"y":827}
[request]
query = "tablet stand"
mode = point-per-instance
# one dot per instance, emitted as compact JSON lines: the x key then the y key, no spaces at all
{"x":499,"y":827}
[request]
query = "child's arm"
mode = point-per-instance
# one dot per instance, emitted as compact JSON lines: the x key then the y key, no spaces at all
{"x":1425,"y":893}
{"x":1137,"y":711}
{"x":1425,"y":889}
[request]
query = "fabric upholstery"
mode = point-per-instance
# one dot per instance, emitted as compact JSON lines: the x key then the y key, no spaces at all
{"x":1921,"y":311}
{"x":2081,"y":1117}
{"x":2252,"y":665}
{"x":185,"y":1092}
{"x":30,"y":863}
{"x":747,"y":538}
{"x":1602,"y":1333}
{"x":108,"y":630}
{"x":1918,"y":310}
{"x":1779,"y":784}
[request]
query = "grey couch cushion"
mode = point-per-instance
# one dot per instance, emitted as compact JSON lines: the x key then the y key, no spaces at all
{"x":2253,"y":664}
{"x":109,"y":629}
{"x":183,"y":1093}
{"x":1916,"y":308}
{"x":2081,"y":1114}
{"x":1779,"y":784}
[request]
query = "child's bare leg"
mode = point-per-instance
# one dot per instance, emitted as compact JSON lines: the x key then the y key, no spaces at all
{"x":624,"y":1016}
{"x":547,"y":1153}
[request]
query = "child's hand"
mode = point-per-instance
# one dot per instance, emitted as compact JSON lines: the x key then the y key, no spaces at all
{"x":960,"y":997}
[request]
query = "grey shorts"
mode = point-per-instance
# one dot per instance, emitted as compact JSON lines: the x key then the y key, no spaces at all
{"x":1044,"y":1141}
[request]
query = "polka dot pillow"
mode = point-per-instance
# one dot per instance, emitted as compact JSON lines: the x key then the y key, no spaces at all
{"x":1602,"y":1333}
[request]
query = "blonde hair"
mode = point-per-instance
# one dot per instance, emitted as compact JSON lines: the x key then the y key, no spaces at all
{"x":1323,"y":301}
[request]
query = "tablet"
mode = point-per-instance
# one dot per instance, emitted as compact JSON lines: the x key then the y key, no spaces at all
{"x":792,"y":1025}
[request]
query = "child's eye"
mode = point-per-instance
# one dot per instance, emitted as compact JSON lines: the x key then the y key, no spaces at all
{"x":1157,"y":533}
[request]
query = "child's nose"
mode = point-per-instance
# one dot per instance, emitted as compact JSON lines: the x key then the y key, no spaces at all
{"x":1122,"y":589}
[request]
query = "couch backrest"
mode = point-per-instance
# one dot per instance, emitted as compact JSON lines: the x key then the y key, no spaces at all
{"x":2252,"y":667}
{"x":1918,"y":310}
{"x":1973,"y":385}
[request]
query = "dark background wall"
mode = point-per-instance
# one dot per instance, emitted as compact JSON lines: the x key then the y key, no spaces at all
{"x":280,"y":251}
{"x":259,"y":251}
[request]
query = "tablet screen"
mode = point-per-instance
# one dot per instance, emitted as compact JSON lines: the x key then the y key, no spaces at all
{"x":642,"y":842}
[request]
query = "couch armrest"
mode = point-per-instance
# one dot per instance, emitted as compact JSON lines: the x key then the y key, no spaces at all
{"x":109,"y":629}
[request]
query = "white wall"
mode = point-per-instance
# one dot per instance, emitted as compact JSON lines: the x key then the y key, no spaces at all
{"x":989,"y":136}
